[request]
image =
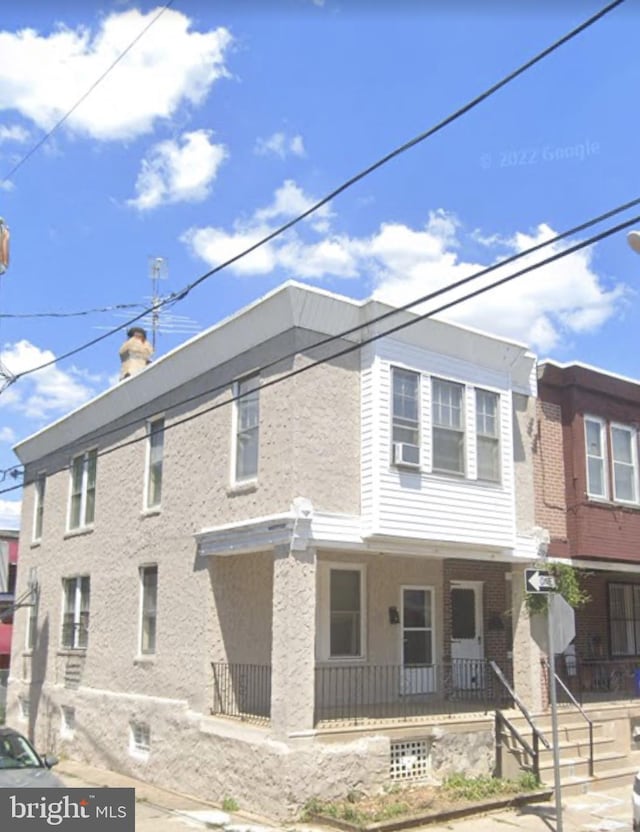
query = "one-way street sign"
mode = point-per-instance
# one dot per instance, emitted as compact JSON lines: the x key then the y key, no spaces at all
{"x":539,"y":580}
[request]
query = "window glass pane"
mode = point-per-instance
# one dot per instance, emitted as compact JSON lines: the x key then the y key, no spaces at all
{"x":247,"y":434}
{"x":621,"y":440}
{"x":417,"y":647}
{"x":416,"y":610}
{"x":624,"y":482}
{"x":488,"y":459}
{"x":344,"y":612}
{"x":463,"y":613}
{"x":447,"y":404}
{"x":486,"y":413}
{"x":448,"y":450}
{"x":623,"y":619}
{"x":406,"y":407}
{"x":156,"y":452}
{"x":595,"y":470}
{"x":594,"y":437}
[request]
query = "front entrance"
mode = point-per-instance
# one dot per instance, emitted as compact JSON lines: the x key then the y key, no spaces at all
{"x":418,"y":672}
{"x":467,"y":647}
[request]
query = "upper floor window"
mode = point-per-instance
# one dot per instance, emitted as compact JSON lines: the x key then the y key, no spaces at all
{"x":75,"y":622}
{"x":487,"y":436}
{"x":155,"y":453}
{"x":447,"y":413}
{"x":624,"y":460}
{"x":148,"y":608}
{"x":596,"y":460}
{"x":624,"y":619}
{"x":246,"y":428}
{"x":38,"y":505}
{"x":83,"y":489}
{"x":405,"y":418}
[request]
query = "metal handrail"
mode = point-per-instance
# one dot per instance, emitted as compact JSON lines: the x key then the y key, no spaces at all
{"x":582,"y":711}
{"x":532,"y":751}
{"x":523,"y":710}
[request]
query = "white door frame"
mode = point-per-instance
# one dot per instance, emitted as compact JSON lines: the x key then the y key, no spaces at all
{"x":416,"y":680}
{"x":469,"y":649}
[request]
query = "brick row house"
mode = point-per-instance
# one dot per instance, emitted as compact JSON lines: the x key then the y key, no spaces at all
{"x":261,"y":554}
{"x":8,"y":573}
{"x":588,"y":497}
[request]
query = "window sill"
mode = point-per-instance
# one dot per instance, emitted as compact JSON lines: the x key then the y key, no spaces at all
{"x":239,"y":488}
{"x":35,"y":543}
{"x":150,"y":512}
{"x":616,"y":505}
{"x":78,"y":532}
{"x":142,"y":660}
{"x":72,"y":651}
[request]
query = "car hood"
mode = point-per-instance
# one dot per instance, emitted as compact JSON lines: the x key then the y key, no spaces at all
{"x":27,"y":778}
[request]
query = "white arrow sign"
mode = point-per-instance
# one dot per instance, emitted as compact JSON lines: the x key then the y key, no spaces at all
{"x":539,"y":580}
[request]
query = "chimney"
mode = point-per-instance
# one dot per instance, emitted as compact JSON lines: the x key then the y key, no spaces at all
{"x":135,"y":353}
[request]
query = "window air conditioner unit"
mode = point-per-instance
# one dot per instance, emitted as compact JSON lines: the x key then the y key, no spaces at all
{"x":406,"y":455}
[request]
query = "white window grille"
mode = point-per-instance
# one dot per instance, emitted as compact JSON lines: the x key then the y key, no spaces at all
{"x":410,"y":760}
{"x":140,"y":738}
{"x":82,"y":503}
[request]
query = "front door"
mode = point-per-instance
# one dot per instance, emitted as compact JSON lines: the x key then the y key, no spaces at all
{"x":418,"y":672}
{"x":467,"y":648}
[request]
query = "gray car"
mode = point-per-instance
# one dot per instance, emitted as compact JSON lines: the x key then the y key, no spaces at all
{"x":21,"y":766}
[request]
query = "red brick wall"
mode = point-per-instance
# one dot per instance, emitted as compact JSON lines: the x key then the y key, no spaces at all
{"x":549,"y":474}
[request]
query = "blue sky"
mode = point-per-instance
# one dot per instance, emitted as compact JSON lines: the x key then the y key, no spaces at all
{"x":226,"y":119}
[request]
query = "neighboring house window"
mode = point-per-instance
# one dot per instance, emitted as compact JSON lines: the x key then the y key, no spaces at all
{"x":625,"y":463}
{"x":67,"y":721}
{"x":83,"y":489}
{"x":447,"y":415}
{"x":247,"y":418}
{"x":155,"y":452}
{"x":140,"y":738}
{"x":31,"y":636}
{"x":487,"y":436}
{"x":38,"y":506}
{"x":596,"y":460}
{"x":148,"y":607}
{"x":345,"y":613}
{"x":624,"y":619}
{"x":75,"y":624}
{"x":405,"y":417}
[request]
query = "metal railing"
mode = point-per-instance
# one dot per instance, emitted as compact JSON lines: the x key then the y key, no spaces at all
{"x":597,"y":680}
{"x":572,"y":699}
{"x":242,"y":691}
{"x":364,"y":693}
{"x":537,"y":735}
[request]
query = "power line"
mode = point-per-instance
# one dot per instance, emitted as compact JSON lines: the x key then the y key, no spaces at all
{"x":360,"y":344}
{"x":83,"y":98}
{"x":407,"y":306}
{"x":70,"y":314}
{"x":181,"y":294}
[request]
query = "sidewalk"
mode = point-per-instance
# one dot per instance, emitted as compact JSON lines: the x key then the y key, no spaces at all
{"x":606,"y":811}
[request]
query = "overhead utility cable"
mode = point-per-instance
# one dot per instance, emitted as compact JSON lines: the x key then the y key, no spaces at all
{"x":181,"y":294}
{"x":368,"y":340}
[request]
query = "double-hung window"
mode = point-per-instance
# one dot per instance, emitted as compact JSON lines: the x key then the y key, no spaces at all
{"x":155,"y":453}
{"x":624,"y":461}
{"x":595,"y":438}
{"x":624,"y":619}
{"x":246,"y":428}
{"x":38,"y":505}
{"x":345,"y":613}
{"x":83,"y":489}
{"x":75,"y":621}
{"x":405,"y":417}
{"x":488,"y":435}
{"x":447,"y":414}
{"x":148,"y":608}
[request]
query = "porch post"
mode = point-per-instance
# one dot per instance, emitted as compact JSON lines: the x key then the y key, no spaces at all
{"x":293,"y":642}
{"x":527,"y":667}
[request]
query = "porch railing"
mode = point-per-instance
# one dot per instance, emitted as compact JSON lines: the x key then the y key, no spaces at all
{"x":242,"y":691}
{"x":599,"y":680}
{"x":362,"y":693}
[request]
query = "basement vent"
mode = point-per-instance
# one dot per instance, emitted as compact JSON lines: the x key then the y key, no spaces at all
{"x":410,"y":760}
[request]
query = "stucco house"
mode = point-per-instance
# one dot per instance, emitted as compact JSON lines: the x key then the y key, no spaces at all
{"x":273,"y":563}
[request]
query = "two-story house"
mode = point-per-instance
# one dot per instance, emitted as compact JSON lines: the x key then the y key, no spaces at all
{"x":8,"y":572}
{"x":271,"y":564}
{"x":588,"y":497}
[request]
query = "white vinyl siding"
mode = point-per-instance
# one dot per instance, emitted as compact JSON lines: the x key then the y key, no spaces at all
{"x":246,"y":428}
{"x":82,"y":503}
{"x":624,"y":462}
{"x":596,"y":460}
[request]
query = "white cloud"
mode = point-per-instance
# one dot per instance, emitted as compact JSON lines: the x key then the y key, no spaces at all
{"x":10,"y":513}
{"x":402,"y":263}
{"x":179,"y":171}
{"x":45,"y":393}
{"x":7,"y":435}
{"x":279,"y":144}
{"x":13,"y":133}
{"x":42,"y":77}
